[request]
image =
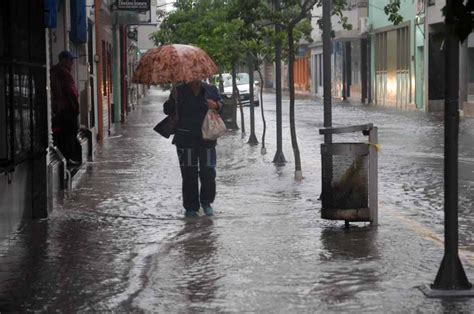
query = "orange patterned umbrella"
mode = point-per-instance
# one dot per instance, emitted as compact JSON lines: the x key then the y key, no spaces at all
{"x":173,"y":64}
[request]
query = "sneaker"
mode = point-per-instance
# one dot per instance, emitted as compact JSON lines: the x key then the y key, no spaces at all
{"x":207,"y":209}
{"x":191,"y":214}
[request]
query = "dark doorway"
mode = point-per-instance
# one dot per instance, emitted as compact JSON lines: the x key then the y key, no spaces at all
{"x":23,"y":104}
{"x":436,"y":66}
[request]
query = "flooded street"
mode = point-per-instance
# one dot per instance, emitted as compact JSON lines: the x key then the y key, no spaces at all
{"x":119,"y":241}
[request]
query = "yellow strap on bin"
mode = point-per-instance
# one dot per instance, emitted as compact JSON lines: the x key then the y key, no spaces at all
{"x":377,"y":146}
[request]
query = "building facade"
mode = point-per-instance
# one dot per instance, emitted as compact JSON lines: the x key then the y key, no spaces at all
{"x":23,"y":113}
{"x":349,"y":58}
{"x":399,"y":66}
{"x":32,"y":168}
{"x":393,"y":58}
{"x":434,"y":62}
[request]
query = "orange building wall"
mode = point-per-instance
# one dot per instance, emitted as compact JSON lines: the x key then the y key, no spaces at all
{"x":301,"y":74}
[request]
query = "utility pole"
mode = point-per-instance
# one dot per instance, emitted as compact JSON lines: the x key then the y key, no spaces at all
{"x":327,"y":106}
{"x":451,"y":279}
{"x":327,"y":68}
{"x":279,"y":158}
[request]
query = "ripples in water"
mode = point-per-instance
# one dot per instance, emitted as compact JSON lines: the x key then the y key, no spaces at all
{"x":119,"y":241}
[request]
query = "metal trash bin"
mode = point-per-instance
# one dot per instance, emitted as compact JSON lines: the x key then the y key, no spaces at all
{"x":349,"y":177}
{"x":229,"y":113}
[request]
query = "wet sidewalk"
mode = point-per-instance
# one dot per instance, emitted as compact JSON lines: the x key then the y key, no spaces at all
{"x":119,"y":241}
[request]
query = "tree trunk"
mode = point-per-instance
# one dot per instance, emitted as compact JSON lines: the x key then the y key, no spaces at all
{"x":264,"y":149}
{"x":236,"y":97}
{"x":279,"y":158}
{"x":221,"y":83}
{"x":252,"y":138}
{"x":291,"y":81}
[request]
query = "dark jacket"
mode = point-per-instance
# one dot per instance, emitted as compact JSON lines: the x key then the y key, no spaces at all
{"x":64,"y":94}
{"x":192,"y":110}
{"x":64,"y":99}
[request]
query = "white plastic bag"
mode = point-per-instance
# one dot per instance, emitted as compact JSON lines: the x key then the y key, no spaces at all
{"x":213,"y":126}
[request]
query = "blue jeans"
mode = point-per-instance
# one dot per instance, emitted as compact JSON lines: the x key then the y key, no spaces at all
{"x":197,"y":163}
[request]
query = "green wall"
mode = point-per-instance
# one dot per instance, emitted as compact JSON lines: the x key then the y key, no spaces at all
{"x":378,"y":19}
{"x":419,"y":64}
{"x":377,"y":15}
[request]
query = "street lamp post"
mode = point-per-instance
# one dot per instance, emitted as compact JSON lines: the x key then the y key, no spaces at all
{"x":327,"y":68}
{"x":327,"y":101}
{"x":451,"y":280}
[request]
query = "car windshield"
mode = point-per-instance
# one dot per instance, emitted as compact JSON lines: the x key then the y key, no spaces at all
{"x":227,"y":81}
{"x":242,"y":78}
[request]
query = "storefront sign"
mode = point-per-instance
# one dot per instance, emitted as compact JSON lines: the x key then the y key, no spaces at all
{"x":133,"y":5}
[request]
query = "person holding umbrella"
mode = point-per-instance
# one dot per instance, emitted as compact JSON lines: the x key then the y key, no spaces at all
{"x":197,"y":157}
{"x":190,"y":99}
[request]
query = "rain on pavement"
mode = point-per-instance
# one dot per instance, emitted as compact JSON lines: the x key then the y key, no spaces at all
{"x":119,"y":242}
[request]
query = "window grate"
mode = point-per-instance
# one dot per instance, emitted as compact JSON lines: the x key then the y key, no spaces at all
{"x":23,"y":102}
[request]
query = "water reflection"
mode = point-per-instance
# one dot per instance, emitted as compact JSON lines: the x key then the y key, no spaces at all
{"x":23,"y":268}
{"x":454,"y":305}
{"x":354,"y":243}
{"x":118,"y":241}
{"x":199,"y":257}
{"x":351,"y":266}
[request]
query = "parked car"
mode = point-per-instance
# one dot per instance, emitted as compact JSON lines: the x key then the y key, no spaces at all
{"x":243,"y":85}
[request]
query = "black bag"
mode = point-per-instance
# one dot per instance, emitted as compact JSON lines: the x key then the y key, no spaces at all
{"x":167,"y":126}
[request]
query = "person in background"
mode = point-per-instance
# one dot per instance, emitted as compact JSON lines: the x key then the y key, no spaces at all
{"x":65,"y":108}
{"x":197,"y":157}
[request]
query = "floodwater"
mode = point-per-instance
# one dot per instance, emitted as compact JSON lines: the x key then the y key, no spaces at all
{"x":119,"y":242}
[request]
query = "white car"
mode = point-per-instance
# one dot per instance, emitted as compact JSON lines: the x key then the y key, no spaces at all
{"x":243,"y":85}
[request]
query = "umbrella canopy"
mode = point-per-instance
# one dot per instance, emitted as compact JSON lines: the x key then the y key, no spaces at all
{"x":173,"y":64}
